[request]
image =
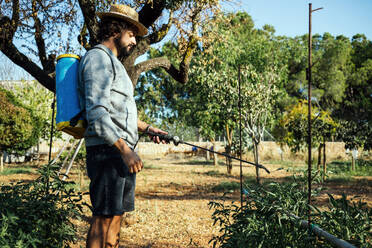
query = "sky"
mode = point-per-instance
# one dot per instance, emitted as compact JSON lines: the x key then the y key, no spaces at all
{"x":291,"y":18}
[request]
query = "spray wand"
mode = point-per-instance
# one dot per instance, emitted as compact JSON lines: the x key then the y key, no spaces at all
{"x":176,"y":140}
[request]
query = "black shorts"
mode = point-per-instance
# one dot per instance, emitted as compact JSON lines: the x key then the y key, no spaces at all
{"x":112,"y":185}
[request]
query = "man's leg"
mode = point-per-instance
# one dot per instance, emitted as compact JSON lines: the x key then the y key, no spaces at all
{"x":98,"y":231}
{"x":113,"y":232}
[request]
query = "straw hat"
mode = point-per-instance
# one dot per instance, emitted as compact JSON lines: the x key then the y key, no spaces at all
{"x":126,"y":13}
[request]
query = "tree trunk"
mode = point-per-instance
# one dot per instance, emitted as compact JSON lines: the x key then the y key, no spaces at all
{"x":352,"y":163}
{"x":228,"y":160}
{"x":256,"y":160}
{"x":229,"y":135}
{"x":1,"y":162}
{"x":324,"y":161}
{"x":215,"y":158}
{"x":208,"y":154}
{"x":319,"y":157}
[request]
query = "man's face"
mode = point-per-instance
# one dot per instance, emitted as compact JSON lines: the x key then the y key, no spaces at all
{"x":125,"y":41}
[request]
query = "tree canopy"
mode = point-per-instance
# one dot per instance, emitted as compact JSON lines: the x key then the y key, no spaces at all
{"x":33,"y":33}
{"x":20,"y":128}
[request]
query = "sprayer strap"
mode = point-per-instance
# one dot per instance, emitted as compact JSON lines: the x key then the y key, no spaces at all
{"x":74,"y":120}
{"x":112,"y":62}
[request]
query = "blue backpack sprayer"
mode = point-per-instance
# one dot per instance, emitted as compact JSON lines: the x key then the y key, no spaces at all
{"x":69,"y":113}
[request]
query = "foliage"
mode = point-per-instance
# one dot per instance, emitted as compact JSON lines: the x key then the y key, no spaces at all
{"x":226,"y":186}
{"x":34,"y":33}
{"x":332,"y":56}
{"x":351,"y":221}
{"x":294,"y":126}
{"x":20,"y":128}
{"x":264,"y":219}
{"x":38,"y":213}
{"x":342,"y":168}
{"x":267,"y":219}
{"x":39,"y":100}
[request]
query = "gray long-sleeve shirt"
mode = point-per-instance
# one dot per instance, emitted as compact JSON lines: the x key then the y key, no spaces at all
{"x":111,"y":110}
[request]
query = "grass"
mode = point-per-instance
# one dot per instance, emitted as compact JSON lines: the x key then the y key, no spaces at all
{"x":283,"y":163}
{"x":227,"y":187}
{"x":343,"y":168}
{"x":197,"y":162}
{"x":151,"y":166}
{"x":172,"y":198}
{"x":12,"y":171}
{"x":232,"y":185}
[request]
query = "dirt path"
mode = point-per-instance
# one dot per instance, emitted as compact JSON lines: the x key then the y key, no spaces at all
{"x":172,"y":197}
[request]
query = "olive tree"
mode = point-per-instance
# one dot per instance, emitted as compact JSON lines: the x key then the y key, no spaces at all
{"x":33,"y":33}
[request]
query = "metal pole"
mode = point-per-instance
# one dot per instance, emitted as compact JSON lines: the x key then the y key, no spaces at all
{"x":309,"y":116}
{"x":309,"y":122}
{"x":323,"y":234}
{"x":240,"y":145}
{"x":51,"y":130}
{"x":61,"y":150}
{"x":72,"y":160}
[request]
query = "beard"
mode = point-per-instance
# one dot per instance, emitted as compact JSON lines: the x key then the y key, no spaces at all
{"x":123,"y":51}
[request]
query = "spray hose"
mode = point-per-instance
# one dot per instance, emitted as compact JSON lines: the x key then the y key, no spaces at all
{"x":176,"y":140}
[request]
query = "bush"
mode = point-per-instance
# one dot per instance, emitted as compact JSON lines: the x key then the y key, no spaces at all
{"x":39,"y":213}
{"x":19,"y":128}
{"x":266,"y":219}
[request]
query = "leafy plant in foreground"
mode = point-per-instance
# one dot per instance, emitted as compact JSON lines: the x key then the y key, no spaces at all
{"x":350,"y":220}
{"x":266,"y":219}
{"x":39,"y":213}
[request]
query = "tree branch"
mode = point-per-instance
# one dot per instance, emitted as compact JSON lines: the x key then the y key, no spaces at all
{"x":23,"y":61}
{"x":162,"y":62}
{"x":47,"y":63}
{"x":88,"y":8}
{"x":9,"y":26}
{"x":150,"y":12}
{"x":158,"y":35}
{"x":15,"y":16}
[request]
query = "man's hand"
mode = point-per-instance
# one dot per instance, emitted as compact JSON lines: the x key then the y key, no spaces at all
{"x":130,"y":158}
{"x":156,"y":139}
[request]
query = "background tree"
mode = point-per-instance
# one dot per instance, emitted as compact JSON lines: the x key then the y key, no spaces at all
{"x":355,"y":111}
{"x":257,"y":53}
{"x":294,"y":126}
{"x":39,"y":100}
{"x":19,"y":126}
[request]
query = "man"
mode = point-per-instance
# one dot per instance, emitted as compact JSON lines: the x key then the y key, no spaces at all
{"x":106,"y":94}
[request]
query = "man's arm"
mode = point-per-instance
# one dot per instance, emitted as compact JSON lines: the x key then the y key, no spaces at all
{"x":142,"y":126}
{"x":130,"y":158}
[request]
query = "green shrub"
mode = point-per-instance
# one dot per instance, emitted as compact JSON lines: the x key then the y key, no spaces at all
{"x":19,"y":127}
{"x":350,"y":220}
{"x":39,"y":213}
{"x":343,"y":168}
{"x":266,"y":219}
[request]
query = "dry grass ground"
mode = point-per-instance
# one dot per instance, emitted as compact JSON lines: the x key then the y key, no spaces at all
{"x":172,"y":199}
